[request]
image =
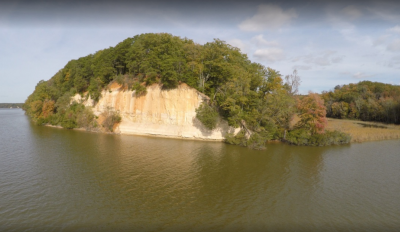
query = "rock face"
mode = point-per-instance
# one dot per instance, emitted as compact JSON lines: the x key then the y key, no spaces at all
{"x":167,"y":113}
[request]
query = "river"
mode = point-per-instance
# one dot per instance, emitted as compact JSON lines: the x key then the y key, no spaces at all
{"x":66,"y":180}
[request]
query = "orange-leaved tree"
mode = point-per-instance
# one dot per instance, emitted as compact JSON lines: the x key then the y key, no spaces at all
{"x":312,"y":113}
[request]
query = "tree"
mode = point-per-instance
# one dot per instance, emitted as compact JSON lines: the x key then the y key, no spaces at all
{"x":293,"y":82}
{"x":207,"y":115}
{"x":312,"y":113}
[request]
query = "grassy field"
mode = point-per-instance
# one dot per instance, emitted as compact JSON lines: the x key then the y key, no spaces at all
{"x":361,"y":131}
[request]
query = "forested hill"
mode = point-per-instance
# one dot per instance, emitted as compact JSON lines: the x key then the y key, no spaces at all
{"x":153,"y":58}
{"x":366,"y":100}
{"x":245,"y":94}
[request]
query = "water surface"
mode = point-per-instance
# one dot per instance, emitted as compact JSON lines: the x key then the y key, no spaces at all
{"x":64,"y":180}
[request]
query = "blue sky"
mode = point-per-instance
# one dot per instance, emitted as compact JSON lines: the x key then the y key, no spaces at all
{"x":328,"y":42}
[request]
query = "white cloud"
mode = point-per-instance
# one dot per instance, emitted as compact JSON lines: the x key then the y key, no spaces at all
{"x":269,"y":54}
{"x":239,"y":44}
{"x":394,"y":46}
{"x":324,"y":58}
{"x":260,"y":41}
{"x":359,"y":75}
{"x":268,"y":16}
{"x":395,"y":29}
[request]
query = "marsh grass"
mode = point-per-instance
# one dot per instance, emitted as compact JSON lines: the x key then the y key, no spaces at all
{"x":361,"y":131}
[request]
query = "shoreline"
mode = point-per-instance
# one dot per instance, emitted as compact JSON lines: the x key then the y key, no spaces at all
{"x":358,"y":132}
{"x":138,"y":134}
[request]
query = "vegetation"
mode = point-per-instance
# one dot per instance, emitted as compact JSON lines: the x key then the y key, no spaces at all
{"x":207,"y":115}
{"x":367,"y":101}
{"x":11,"y":105}
{"x":361,"y":131}
{"x":304,"y":137}
{"x":110,"y":118}
{"x":245,"y":94}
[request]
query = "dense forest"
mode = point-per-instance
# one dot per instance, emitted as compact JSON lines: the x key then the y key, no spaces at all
{"x":366,"y":100}
{"x":245,"y":94}
{"x":11,"y":105}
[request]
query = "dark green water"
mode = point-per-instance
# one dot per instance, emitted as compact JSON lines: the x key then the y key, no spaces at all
{"x":61,"y":180}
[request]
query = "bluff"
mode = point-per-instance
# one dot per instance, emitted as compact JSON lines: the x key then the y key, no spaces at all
{"x":164,"y":113}
{"x":247,"y":95}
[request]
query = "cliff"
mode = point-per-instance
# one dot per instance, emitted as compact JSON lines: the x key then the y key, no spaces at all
{"x":166,"y":113}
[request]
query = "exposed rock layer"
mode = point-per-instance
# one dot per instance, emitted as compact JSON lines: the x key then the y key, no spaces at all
{"x":167,"y":113}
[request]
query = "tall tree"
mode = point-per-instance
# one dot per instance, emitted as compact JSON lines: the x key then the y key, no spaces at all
{"x":312,"y":113}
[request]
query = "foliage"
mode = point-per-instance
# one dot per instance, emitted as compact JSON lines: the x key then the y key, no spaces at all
{"x":76,"y":115}
{"x":366,"y":100}
{"x":140,"y":89}
{"x":12,"y":105}
{"x":238,"y":139}
{"x":257,"y":140}
{"x":110,"y":119}
{"x":247,"y":95}
{"x":207,"y":115}
{"x":304,"y":137}
{"x":312,"y":113}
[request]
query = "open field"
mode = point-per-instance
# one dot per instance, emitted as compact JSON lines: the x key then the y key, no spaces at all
{"x":362,"y":131}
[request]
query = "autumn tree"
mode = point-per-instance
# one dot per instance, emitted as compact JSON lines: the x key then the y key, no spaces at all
{"x":366,"y":100}
{"x":312,"y":113}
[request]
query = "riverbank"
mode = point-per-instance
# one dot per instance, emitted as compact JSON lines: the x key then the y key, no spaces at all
{"x":362,"y":131}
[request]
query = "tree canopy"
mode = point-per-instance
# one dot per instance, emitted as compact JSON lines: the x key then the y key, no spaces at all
{"x":366,"y":100}
{"x":245,"y":94}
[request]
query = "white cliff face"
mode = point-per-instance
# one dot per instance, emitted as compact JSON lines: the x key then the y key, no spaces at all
{"x":168,"y":113}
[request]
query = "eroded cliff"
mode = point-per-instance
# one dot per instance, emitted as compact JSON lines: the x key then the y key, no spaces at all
{"x":167,"y":113}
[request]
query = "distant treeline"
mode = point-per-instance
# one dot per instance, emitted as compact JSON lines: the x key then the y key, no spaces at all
{"x":12,"y":105}
{"x":366,"y":100}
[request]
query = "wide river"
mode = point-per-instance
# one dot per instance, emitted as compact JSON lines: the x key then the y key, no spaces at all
{"x":66,"y":180}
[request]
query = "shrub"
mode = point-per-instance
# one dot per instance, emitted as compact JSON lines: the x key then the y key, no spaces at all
{"x":207,"y":115}
{"x":151,"y":78}
{"x":303,"y":137}
{"x":257,"y":141}
{"x":95,"y":89}
{"x":238,"y":139}
{"x":85,"y":119}
{"x":298,"y":137}
{"x":120,"y":79}
{"x":110,"y":119}
{"x":140,"y":89}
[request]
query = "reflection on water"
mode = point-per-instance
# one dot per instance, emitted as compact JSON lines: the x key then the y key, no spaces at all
{"x":72,"y":180}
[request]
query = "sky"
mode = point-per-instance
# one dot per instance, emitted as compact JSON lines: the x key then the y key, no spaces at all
{"x":329,"y":43}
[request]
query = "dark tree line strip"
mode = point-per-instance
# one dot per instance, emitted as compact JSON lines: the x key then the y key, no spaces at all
{"x":366,"y":100}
